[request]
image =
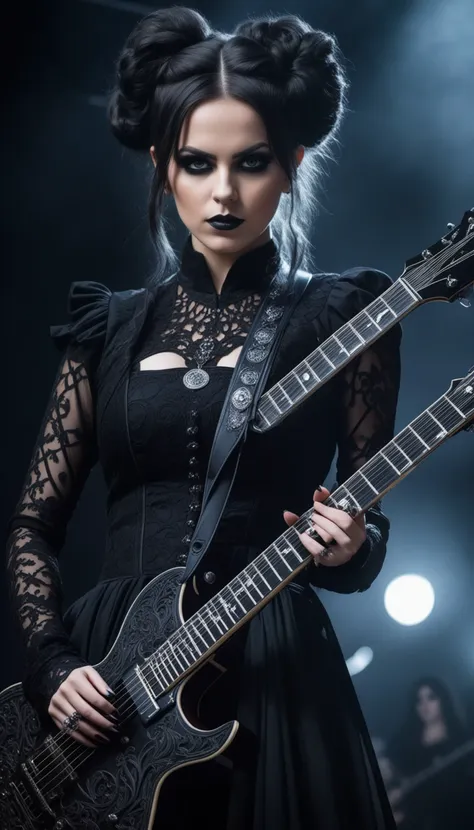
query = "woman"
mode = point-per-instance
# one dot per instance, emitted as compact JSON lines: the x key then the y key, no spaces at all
{"x":235,"y":125}
{"x":435,"y":760}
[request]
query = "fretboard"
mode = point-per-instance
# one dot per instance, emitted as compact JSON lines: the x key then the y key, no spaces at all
{"x":338,"y":350}
{"x":253,"y":587}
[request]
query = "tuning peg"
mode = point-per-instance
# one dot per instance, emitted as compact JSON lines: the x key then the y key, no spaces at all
{"x":451,"y":226}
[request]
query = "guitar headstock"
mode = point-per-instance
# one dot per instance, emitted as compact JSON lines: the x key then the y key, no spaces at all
{"x":445,"y":270}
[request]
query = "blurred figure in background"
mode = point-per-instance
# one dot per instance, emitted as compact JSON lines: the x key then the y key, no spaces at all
{"x":432,"y":758}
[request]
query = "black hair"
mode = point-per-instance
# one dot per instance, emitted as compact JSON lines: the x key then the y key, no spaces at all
{"x":291,"y":74}
{"x":412,"y":728}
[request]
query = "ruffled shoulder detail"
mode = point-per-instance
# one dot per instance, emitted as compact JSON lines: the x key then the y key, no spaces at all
{"x":88,"y":310}
{"x":352,"y":291}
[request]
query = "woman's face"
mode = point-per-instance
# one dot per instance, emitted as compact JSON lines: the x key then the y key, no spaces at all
{"x":428,"y":705}
{"x":225,"y":166}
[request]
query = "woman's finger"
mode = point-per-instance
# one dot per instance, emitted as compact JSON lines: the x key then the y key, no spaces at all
{"x":88,"y":713}
{"x":329,"y":531}
{"x":98,"y":682}
{"x":88,"y":691}
{"x":58,"y":715}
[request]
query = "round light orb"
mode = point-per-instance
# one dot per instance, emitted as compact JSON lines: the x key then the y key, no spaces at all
{"x":409,"y":599}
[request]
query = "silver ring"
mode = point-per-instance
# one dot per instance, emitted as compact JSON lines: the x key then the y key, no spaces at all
{"x":327,"y":552}
{"x":70,"y":723}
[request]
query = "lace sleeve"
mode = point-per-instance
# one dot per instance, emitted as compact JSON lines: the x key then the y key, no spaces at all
{"x":368,"y":390}
{"x":63,"y":456}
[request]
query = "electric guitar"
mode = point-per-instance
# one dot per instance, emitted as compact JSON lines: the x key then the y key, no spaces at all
{"x":48,"y":780}
{"x":442,"y":272}
{"x":440,"y":765}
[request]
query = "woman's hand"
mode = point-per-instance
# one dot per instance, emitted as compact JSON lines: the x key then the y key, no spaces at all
{"x":84,"y":692}
{"x":344,"y":534}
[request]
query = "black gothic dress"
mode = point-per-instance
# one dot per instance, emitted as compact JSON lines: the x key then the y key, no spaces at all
{"x":314,"y":765}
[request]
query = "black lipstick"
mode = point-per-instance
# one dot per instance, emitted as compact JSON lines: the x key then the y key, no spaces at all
{"x":225,"y":223}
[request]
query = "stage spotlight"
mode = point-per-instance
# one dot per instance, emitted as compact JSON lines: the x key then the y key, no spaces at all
{"x":409,"y":599}
{"x":360,"y":660}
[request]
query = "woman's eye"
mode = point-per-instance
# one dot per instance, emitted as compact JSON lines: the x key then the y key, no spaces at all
{"x":196,"y":166}
{"x":256,"y":163}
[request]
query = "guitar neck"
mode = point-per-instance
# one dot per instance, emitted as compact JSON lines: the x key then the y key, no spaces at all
{"x":338,"y":350}
{"x":411,"y":784}
{"x":269,"y":572}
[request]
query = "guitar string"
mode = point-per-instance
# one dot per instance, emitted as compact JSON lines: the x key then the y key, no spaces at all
{"x":237,"y":582}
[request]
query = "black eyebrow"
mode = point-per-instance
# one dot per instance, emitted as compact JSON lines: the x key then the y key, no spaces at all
{"x":194,"y":151}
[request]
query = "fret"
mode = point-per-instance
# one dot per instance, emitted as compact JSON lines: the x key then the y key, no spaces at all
{"x":267,"y":560}
{"x":304,"y":378}
{"x":381,"y":312}
{"x":148,"y":678}
{"x":364,"y":327}
{"x":345,"y":499}
{"x":389,"y":462}
{"x":178,"y":644}
{"x":153,"y":664}
{"x":176,"y":657}
{"x":281,"y":557}
{"x":442,"y":428}
{"x":379,"y":472}
{"x":215,"y":618}
{"x":289,"y":550}
{"x":361,"y":339}
{"x":305,"y":363}
{"x":258,"y":571}
{"x":165,"y":670}
{"x":349,"y":340}
{"x":415,"y":433}
{"x":429,"y":429}
{"x":198,"y":633}
{"x":202,"y":618}
{"x":272,"y":400}
{"x":410,"y":444}
{"x":320,"y":365}
{"x":146,"y":686}
{"x":332,"y":352}
{"x":446,"y":413}
{"x":190,"y":644}
{"x":398,"y":449}
{"x":367,"y":481}
{"x":463,"y":399}
{"x":409,"y":288}
{"x":341,"y":346}
{"x":235,"y":595}
{"x":262,"y":414}
{"x":360,"y":490}
{"x":374,"y":322}
{"x":247,"y":584}
{"x":227,"y":609}
{"x":280,"y":387}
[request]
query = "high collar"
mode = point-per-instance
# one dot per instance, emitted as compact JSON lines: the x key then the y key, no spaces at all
{"x":251,"y":272}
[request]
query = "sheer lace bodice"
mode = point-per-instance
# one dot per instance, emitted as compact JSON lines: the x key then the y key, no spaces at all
{"x":363,"y":400}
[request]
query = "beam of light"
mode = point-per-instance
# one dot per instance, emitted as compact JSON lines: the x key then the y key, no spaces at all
{"x":409,"y":599}
{"x":360,"y":660}
{"x":122,"y":6}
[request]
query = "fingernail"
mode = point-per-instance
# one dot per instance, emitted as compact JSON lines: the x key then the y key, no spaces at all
{"x":102,"y":739}
{"x":319,"y":487}
{"x":110,"y":693}
{"x":113,"y":718}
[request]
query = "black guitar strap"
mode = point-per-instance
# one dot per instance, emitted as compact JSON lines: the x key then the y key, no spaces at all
{"x":240,"y":406}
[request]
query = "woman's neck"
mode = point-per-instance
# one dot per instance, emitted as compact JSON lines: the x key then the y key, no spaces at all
{"x":219,"y":264}
{"x":434,"y":733}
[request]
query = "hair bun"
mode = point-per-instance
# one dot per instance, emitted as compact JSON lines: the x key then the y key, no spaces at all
{"x":310,"y":69}
{"x":157,"y":37}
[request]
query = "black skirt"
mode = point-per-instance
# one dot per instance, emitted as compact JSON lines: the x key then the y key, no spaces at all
{"x":311,"y":763}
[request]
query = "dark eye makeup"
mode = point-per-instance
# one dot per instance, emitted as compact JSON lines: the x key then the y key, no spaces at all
{"x":197,"y":165}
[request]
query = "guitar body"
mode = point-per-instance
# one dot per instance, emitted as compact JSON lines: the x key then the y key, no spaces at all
{"x":118,"y":786}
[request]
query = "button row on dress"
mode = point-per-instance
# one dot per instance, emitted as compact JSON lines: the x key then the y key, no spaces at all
{"x":195,"y":489}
